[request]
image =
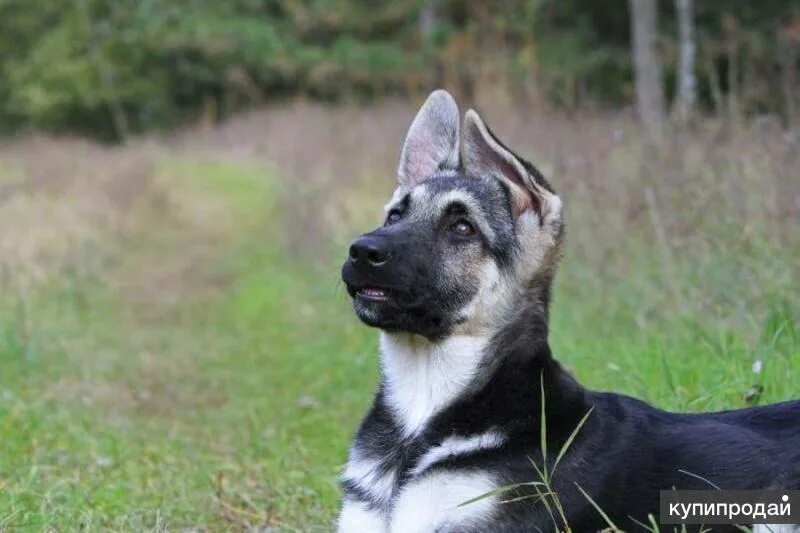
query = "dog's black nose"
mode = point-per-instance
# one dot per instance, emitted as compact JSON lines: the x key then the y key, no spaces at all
{"x":369,"y":251}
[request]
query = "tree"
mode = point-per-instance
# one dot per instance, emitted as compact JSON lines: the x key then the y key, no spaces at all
{"x":428,"y":22}
{"x":647,"y":65}
{"x":686,"y":82}
{"x":113,"y":67}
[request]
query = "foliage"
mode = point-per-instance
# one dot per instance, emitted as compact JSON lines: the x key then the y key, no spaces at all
{"x":110,"y":68}
{"x":115,"y":67}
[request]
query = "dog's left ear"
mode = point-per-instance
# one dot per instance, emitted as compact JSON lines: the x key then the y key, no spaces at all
{"x":432,"y":141}
{"x":484,"y":156}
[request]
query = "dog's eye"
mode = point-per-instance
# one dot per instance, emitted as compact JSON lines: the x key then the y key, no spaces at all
{"x":393,"y":217}
{"x":463,"y":228}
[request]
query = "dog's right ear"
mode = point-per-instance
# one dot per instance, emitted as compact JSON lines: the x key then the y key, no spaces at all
{"x":432,"y":142}
{"x":485,"y":156}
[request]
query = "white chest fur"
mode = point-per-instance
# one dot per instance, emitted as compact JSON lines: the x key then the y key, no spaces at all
{"x":422,"y":377}
{"x":432,"y":502}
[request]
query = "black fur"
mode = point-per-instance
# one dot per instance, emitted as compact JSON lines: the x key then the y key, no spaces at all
{"x":626,"y":452}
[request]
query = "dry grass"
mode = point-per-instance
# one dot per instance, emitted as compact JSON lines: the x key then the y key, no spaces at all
{"x":712,"y":183}
{"x":597,"y":162}
{"x":58,"y":197}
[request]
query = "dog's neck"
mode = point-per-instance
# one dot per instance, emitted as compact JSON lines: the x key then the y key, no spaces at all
{"x":421,"y":376}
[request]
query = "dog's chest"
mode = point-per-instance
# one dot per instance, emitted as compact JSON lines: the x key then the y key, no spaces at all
{"x":378,"y":469}
{"x":401,"y":492}
{"x":400,"y":458}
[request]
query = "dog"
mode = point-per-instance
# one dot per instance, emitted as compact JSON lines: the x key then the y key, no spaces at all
{"x":458,"y":280}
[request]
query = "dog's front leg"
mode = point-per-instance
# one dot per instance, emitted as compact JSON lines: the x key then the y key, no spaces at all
{"x":358,"y":517}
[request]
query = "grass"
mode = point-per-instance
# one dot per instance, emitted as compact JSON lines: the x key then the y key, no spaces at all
{"x":178,"y":384}
{"x":176,"y":350}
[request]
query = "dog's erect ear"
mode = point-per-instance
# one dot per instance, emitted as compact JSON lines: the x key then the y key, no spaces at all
{"x":485,"y":156}
{"x":432,"y":140}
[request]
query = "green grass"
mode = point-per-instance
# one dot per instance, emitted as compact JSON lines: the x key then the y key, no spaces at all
{"x":626,"y":337}
{"x":228,"y":403}
{"x":190,"y":372}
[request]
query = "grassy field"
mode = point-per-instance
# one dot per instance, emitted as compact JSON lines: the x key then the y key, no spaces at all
{"x":176,"y":350}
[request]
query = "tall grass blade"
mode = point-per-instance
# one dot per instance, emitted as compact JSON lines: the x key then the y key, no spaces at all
{"x":644,"y":526}
{"x":501,"y":490}
{"x":569,"y":440}
{"x":598,"y":508}
{"x":543,"y":431}
{"x":701,"y":478}
{"x":668,"y":374}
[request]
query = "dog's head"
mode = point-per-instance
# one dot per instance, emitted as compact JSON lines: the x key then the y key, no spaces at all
{"x":470,"y":231}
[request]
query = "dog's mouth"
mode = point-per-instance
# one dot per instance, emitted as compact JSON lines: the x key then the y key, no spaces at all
{"x":369,"y":293}
{"x":373,"y":293}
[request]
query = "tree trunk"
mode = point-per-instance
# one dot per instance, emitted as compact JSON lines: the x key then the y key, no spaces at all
{"x":789,"y":50}
{"x":686,"y":90}
{"x":714,"y":83}
{"x":732,"y":37}
{"x":428,"y":20}
{"x":647,"y":66}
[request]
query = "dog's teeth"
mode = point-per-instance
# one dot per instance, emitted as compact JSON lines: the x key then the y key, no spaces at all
{"x":373,"y":292}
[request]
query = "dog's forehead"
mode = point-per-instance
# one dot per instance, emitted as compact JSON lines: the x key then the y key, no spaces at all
{"x":433,"y":195}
